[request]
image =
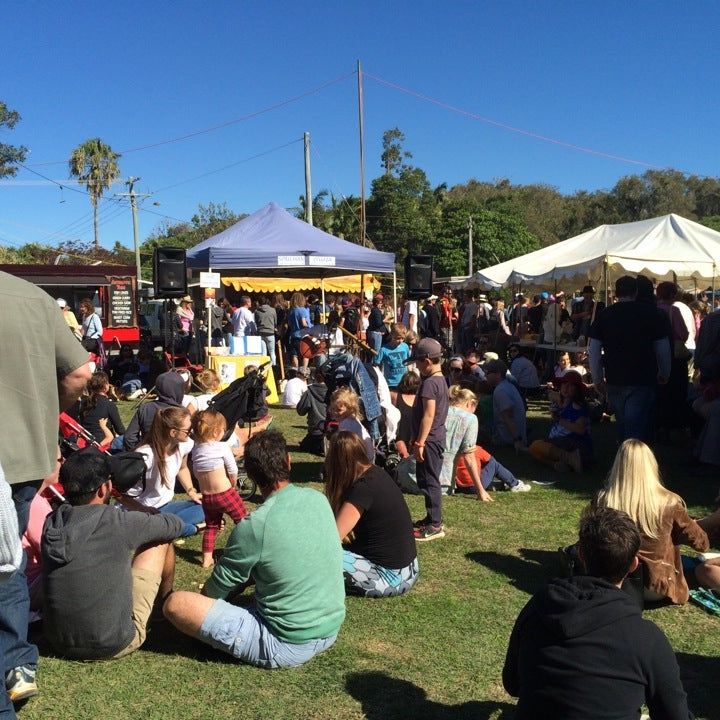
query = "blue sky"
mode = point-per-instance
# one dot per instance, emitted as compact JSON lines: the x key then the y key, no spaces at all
{"x":633,"y":79}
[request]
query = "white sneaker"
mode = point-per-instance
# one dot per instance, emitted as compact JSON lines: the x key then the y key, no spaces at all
{"x":521,"y":487}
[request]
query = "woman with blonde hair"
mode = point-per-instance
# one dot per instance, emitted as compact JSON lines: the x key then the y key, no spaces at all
{"x":373,"y":521}
{"x":634,"y":486}
{"x":165,"y":449}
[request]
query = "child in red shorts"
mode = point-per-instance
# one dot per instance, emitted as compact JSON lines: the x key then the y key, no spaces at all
{"x":216,"y":471}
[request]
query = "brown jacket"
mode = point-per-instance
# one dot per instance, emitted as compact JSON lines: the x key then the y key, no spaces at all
{"x":661,"y":557}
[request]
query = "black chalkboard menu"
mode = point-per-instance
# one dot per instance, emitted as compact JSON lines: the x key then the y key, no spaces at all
{"x":121,"y":302}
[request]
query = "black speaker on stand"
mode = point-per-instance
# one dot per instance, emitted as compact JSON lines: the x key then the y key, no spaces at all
{"x":418,"y":276}
{"x":169,"y":282}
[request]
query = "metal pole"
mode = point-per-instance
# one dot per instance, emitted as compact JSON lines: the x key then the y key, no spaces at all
{"x":209,"y":327}
{"x":470,"y":246}
{"x":395,"y":305}
{"x":323,"y":319}
{"x":308,"y":184}
{"x":605,"y":267}
{"x":712,"y":302}
{"x":361,"y":126}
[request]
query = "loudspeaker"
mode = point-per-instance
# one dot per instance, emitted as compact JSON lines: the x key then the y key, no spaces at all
{"x":418,"y":276}
{"x":169,"y":272}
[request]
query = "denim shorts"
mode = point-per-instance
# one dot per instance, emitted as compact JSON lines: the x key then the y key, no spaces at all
{"x":242,"y":633}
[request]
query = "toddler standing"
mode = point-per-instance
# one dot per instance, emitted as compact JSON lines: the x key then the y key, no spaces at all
{"x":216,"y":470}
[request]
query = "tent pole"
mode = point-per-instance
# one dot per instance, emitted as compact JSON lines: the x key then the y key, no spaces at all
{"x":712,"y":302}
{"x":209,"y":329}
{"x":605,"y":272}
{"x":395,"y":304}
{"x":322,"y":299}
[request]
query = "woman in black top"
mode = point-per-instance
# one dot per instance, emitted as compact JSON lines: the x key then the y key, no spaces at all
{"x":373,"y":521}
{"x":97,"y":413}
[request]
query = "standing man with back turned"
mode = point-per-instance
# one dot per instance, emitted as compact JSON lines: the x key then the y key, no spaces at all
{"x":43,"y":371}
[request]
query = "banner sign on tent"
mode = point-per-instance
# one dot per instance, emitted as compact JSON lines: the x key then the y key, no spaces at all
{"x":290,"y":260}
{"x":322,"y":260}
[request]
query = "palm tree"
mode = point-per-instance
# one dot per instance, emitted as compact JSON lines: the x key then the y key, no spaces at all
{"x":95,"y":164}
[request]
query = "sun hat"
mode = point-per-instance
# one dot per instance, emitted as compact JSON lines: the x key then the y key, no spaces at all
{"x":61,"y":303}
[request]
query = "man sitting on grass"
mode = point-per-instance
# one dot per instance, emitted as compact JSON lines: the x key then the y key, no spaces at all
{"x":103,"y":569}
{"x":290,"y":550}
{"x":581,"y":649}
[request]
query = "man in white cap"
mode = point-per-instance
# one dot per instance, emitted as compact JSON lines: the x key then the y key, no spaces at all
{"x":70,"y":318}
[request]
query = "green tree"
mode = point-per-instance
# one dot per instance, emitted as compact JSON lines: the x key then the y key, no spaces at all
{"x":713,"y":222}
{"x":393,"y":156}
{"x":95,"y":164}
{"x":10,"y":155}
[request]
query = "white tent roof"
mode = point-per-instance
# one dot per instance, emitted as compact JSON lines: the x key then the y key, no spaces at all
{"x":659,"y":247}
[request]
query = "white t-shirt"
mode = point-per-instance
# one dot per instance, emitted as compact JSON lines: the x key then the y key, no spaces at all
{"x":212,"y":455}
{"x":243,"y":322}
{"x":353,"y":425}
{"x":201,"y":401}
{"x":689,"y":320}
{"x":293,"y":392}
{"x":506,"y":397}
{"x":156,"y":492}
{"x":410,"y":309}
{"x":525,"y":373}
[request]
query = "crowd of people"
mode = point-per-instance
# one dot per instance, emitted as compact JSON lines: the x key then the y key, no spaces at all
{"x":434,"y":391}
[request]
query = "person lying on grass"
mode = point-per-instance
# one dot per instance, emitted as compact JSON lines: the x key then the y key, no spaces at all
{"x":373,"y":521}
{"x":290,"y":551}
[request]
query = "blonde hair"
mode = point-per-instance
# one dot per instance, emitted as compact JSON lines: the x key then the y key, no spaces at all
{"x":208,"y":380}
{"x":460,"y":395}
{"x":633,"y":485}
{"x":297,"y":300}
{"x":347,"y":398}
{"x":207,"y":425}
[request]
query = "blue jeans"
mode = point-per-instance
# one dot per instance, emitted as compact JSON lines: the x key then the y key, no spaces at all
{"x":493,"y":469}
{"x":188,"y":511}
{"x":633,"y":407}
{"x":375,"y":340}
{"x":242,"y":633}
{"x":269,"y":343}
{"x":15,"y":650}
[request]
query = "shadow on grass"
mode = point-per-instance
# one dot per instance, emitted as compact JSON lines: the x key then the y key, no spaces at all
{"x":527,"y":573}
{"x":305,"y":471}
{"x":385,"y":698}
{"x":699,"y":677}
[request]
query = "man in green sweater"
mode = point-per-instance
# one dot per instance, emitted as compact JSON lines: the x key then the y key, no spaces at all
{"x":290,"y":550}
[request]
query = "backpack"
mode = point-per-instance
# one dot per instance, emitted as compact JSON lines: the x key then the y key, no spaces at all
{"x":242,"y":400}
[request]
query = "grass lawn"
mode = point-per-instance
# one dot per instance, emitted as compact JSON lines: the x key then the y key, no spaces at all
{"x":436,"y":653}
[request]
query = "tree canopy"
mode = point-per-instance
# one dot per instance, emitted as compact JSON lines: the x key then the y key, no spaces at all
{"x":10,"y":155}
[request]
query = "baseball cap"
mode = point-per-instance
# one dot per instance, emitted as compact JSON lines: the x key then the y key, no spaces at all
{"x":61,"y":303}
{"x":426,"y":348}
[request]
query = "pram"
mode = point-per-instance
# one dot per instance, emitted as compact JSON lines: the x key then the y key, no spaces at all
{"x":241,"y":402}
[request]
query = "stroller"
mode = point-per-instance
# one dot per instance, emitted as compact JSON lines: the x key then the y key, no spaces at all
{"x":242,"y":402}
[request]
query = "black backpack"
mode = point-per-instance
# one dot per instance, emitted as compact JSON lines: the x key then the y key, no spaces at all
{"x":241,"y":400}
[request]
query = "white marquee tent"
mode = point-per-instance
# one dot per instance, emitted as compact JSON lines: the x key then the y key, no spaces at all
{"x":663,"y":247}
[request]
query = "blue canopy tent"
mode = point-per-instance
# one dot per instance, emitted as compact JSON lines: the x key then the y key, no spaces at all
{"x":271,"y":242}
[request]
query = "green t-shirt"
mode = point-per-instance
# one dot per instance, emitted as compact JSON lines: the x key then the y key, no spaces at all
{"x":290,"y":547}
{"x":38,"y":348}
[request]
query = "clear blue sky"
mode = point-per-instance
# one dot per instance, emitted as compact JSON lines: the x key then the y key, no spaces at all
{"x":633,"y":79}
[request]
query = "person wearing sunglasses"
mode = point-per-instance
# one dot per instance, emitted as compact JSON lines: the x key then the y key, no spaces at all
{"x":166,"y":449}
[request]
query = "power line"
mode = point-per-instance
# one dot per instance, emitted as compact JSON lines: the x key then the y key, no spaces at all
{"x":227,"y":167}
{"x":510,"y":128}
{"x":228,"y":123}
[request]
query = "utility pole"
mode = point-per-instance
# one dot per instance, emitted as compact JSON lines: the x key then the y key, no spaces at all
{"x":130,"y":182}
{"x":470,"y":245}
{"x":361,"y":125}
{"x":308,"y":185}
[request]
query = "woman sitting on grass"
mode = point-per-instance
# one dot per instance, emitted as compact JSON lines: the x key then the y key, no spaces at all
{"x":166,"y":448}
{"x":568,"y":445}
{"x":634,"y":486}
{"x":97,"y":414}
{"x":216,"y":471}
{"x":373,"y":521}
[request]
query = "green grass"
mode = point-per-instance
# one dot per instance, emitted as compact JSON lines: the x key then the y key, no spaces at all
{"x":436,"y":653}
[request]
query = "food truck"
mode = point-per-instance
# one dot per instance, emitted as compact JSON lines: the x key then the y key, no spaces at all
{"x":112,"y":289}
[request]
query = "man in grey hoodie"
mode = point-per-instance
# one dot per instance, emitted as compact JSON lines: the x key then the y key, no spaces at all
{"x":266,"y":321}
{"x":103,"y":569}
{"x":170,"y":388}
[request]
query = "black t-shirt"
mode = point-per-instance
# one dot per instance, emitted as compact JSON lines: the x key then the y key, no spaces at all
{"x":383,"y":534}
{"x":627,"y":331}
{"x":91,"y":420}
{"x":433,"y":388}
{"x":375,"y":321}
{"x":535,"y":317}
